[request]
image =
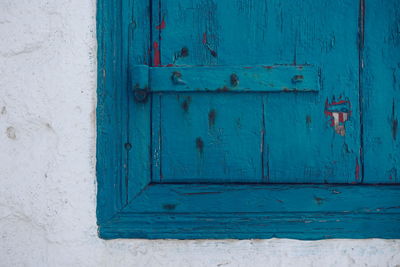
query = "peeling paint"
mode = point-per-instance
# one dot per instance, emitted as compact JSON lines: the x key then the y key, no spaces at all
{"x":211,"y":117}
{"x":156,"y":56}
{"x":184,"y":52}
{"x":394,"y":121}
{"x":339,"y":112}
{"x":204,"y":38}
{"x":186,"y":104}
{"x":357,"y":172}
{"x":162,"y":25}
{"x":199,"y":144}
{"x":207,"y":45}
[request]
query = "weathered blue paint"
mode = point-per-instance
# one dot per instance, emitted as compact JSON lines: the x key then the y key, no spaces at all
{"x":162,"y":120}
{"x":259,"y":211}
{"x":298,"y":143}
{"x":276,"y":78}
{"x":381,"y":87}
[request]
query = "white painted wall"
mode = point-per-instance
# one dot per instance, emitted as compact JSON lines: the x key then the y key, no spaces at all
{"x":47,"y":161}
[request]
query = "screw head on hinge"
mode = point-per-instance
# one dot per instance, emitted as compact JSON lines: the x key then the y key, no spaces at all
{"x":141,"y":95}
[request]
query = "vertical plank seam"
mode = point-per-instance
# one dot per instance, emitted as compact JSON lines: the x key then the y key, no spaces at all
{"x":117,"y":72}
{"x":159,"y":138}
{"x":150,"y":63}
{"x":127,"y":88}
{"x":361,"y":36}
{"x":263,"y":176}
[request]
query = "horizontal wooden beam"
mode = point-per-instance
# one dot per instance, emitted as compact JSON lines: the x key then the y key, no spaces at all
{"x":239,"y":211}
{"x":275,"y":78}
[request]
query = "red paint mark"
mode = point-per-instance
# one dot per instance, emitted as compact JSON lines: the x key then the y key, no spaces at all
{"x":268,"y":67}
{"x":207,"y":45}
{"x":170,"y":65}
{"x":357,"y":173}
{"x":156,"y":58}
{"x":247,"y":67}
{"x":341,"y":117}
{"x":339,"y":102}
{"x":361,"y":23}
{"x":204,"y":38}
{"x":161,"y":26}
{"x":339,"y":112}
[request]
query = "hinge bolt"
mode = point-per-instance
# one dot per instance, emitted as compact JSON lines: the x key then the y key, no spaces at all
{"x":234,"y":80}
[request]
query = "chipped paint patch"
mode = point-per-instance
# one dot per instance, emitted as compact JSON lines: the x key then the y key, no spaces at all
{"x":186,"y":104}
{"x":394,"y":122}
{"x":156,"y":56}
{"x":207,"y":45}
{"x":162,"y":25}
{"x":211,"y":117}
{"x":339,"y":112}
{"x":199,"y":144}
{"x":357,"y":172}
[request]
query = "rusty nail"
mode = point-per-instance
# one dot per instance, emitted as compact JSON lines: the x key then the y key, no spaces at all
{"x":176,"y":78}
{"x":297,"y":78}
{"x":234,"y":80}
{"x":184,"y":52}
{"x":141,"y":95}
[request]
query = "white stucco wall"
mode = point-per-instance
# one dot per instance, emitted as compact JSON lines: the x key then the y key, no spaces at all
{"x":47,"y":161}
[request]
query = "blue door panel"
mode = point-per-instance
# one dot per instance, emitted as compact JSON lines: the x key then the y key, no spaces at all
{"x":381,"y":91}
{"x":202,"y":136}
{"x":304,"y":135}
{"x":292,"y":137}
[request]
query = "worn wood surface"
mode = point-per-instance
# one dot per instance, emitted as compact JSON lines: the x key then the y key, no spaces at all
{"x":381,"y":91}
{"x":275,"y":78}
{"x":260,"y":211}
{"x":344,"y":132}
{"x":294,"y":132}
{"x":110,"y":119}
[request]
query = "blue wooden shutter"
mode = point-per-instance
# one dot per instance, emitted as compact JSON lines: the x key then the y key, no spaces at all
{"x":238,"y":119}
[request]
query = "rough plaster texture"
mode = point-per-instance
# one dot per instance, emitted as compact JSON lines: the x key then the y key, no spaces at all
{"x":47,"y":161}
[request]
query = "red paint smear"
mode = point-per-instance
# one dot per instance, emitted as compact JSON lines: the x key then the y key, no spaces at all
{"x":161,"y":26}
{"x":268,"y":67}
{"x":330,"y":114}
{"x":156,"y":58}
{"x":341,"y":117}
{"x":357,"y":169}
{"x":204,"y":38}
{"x":339,"y":102}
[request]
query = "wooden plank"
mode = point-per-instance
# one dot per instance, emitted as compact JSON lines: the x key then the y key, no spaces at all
{"x":304,"y":145}
{"x":203,"y":138}
{"x":259,"y":211}
{"x":276,"y":78}
{"x":110,"y":153}
{"x":381,"y":86}
{"x":304,"y":226}
{"x":238,"y":198}
{"x":196,"y":145}
{"x":136,"y":25}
